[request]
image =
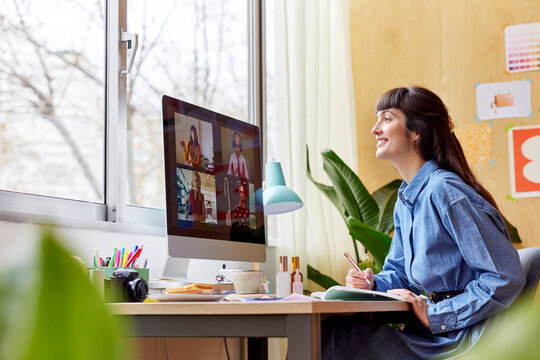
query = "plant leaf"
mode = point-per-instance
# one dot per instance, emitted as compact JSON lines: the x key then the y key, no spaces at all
{"x":319,"y":278}
{"x":356,"y":199}
{"x":327,"y":190}
{"x":512,"y":231}
{"x":377,"y":243}
{"x":55,"y":312}
{"x":386,"y":198}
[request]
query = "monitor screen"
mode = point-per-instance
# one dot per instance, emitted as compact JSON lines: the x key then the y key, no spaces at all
{"x":213,"y":177}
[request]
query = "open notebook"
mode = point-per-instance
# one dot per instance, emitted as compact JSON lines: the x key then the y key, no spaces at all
{"x":351,"y":294}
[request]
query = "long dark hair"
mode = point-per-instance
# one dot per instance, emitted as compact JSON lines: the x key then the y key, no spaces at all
{"x":196,"y":141}
{"x":427,"y":115}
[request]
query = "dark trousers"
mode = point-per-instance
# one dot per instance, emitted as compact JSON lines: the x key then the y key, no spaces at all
{"x":354,"y":337}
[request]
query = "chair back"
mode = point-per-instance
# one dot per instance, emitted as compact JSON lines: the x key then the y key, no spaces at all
{"x":530,"y":261}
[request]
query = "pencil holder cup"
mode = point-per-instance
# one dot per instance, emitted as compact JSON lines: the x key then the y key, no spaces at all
{"x":143,"y":272}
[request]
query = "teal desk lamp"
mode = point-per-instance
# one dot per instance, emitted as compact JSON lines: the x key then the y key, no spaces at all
{"x":278,"y":198}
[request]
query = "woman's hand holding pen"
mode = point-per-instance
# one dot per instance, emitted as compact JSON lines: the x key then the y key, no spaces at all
{"x":419,"y":305}
{"x":360,"y":279}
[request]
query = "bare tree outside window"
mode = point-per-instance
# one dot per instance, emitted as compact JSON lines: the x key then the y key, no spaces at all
{"x":52,"y":88}
{"x":52,"y":67}
{"x":194,"y":50}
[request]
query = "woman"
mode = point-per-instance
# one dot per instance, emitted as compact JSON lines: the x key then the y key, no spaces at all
{"x":192,"y":152}
{"x":449,"y":241}
{"x":195,"y":201}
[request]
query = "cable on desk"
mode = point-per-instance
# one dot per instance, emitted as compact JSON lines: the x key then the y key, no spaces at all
{"x":163,"y":341}
{"x":226,"y":348}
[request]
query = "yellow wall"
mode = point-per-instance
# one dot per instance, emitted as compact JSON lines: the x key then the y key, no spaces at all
{"x":446,"y":46}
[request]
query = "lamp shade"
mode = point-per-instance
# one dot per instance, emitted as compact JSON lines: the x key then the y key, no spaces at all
{"x":278,"y":198}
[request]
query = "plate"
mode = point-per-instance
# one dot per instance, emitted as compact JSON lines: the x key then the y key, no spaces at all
{"x":244,"y":297}
{"x":186,"y":297}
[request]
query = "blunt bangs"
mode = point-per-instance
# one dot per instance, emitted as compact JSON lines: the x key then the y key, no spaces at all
{"x":391,"y":99}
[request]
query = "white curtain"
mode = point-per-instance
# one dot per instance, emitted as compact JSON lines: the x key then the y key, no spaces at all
{"x":315,"y":105}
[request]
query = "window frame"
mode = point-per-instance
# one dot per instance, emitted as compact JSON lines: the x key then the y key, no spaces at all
{"x":15,"y":206}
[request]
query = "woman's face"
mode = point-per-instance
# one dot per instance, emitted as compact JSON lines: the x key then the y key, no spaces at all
{"x":196,"y":183}
{"x":242,"y":194}
{"x":237,"y":143}
{"x":193,"y":134}
{"x":393,"y":140}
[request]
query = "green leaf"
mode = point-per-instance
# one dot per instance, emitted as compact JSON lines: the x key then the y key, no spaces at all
{"x":356,"y":199}
{"x":367,"y":263}
{"x":327,"y":190}
{"x":512,"y":231}
{"x":53,"y":311}
{"x":377,"y":243}
{"x":386,"y":198}
{"x":319,"y":278}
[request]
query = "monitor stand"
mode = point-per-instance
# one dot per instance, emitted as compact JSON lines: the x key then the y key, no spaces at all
{"x":203,"y":271}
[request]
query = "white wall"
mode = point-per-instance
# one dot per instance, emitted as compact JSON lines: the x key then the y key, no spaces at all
{"x":18,"y":238}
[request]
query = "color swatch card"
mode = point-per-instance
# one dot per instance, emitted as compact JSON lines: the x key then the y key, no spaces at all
{"x":522,"y":47}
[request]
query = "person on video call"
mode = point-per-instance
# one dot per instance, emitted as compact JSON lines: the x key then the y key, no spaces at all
{"x":192,"y":151}
{"x":240,"y":214}
{"x":237,"y":162}
{"x":195,"y":200}
{"x":449,"y":241}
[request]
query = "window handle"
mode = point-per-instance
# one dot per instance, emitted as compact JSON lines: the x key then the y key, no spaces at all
{"x":132,"y":41}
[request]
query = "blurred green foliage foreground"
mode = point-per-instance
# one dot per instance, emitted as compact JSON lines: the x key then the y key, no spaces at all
{"x":50,"y":310}
{"x":513,"y":336}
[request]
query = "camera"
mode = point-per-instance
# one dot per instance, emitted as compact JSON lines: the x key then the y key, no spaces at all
{"x":125,"y":286}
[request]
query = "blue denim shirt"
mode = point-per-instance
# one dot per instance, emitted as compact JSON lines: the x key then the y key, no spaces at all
{"x":447,"y":238}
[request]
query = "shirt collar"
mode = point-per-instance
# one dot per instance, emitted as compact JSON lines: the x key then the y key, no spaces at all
{"x":409,"y":192}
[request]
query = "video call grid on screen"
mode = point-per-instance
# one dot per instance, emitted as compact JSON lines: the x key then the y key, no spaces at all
{"x":213,"y":172}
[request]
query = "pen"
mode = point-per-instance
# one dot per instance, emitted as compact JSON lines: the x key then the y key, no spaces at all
{"x":133,"y":257}
{"x":111,"y":263}
{"x":355,"y":265}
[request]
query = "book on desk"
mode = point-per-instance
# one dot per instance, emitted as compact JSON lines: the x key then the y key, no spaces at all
{"x":352,"y":294}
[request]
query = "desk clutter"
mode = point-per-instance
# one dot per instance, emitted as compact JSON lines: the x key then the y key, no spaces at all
{"x":289,"y":283}
{"x":119,"y":278}
{"x":120,"y":258}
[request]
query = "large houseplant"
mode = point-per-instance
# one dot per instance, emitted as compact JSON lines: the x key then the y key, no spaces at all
{"x":369,"y":217}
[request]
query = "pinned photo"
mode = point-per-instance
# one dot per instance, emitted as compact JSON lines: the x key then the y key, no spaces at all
{"x":503,"y":100}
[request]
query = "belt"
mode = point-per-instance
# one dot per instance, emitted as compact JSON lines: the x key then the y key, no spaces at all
{"x":435,"y":297}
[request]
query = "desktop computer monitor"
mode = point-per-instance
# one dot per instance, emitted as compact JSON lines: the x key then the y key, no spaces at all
{"x":213,"y":184}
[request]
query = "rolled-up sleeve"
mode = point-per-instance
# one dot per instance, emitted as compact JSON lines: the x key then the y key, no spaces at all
{"x":483,"y":242}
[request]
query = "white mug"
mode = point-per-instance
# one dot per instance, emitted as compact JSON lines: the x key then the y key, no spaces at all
{"x":247,"y":281}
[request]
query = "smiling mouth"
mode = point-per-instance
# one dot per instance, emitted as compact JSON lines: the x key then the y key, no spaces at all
{"x":381,"y":142}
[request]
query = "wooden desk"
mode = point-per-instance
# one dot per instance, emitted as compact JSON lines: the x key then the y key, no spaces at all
{"x":299,"y":322}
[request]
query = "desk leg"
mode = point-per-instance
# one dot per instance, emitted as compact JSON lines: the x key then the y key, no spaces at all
{"x":304,"y":337}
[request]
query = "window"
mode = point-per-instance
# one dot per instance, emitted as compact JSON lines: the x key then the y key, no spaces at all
{"x":75,"y":136}
{"x":52,"y":98}
{"x":193,"y":50}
